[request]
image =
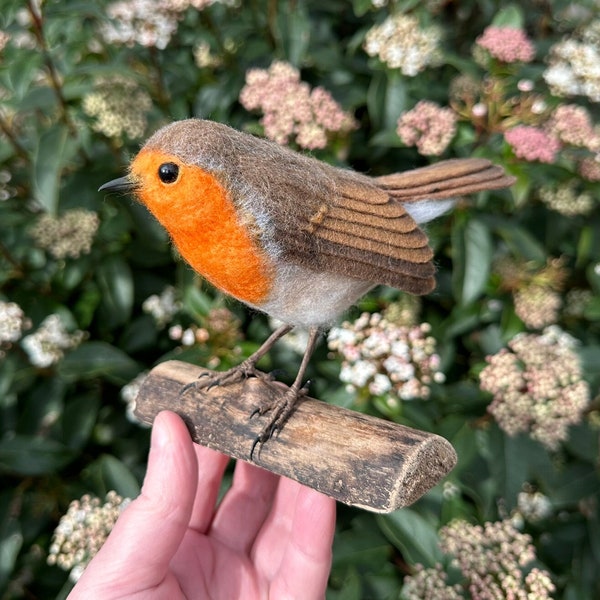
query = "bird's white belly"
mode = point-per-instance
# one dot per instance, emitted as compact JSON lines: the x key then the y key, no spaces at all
{"x":307,"y":298}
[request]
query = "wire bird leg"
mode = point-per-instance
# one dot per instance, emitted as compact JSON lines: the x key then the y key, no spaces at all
{"x":280,"y":409}
{"x":245,"y":369}
{"x":284,"y":406}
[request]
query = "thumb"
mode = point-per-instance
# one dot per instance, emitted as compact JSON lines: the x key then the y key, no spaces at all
{"x":137,"y":553}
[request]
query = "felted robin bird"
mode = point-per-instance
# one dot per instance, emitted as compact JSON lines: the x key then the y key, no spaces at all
{"x":289,"y":235}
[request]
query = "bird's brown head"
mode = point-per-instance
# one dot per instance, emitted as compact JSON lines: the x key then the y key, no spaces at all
{"x":171,"y":174}
{"x":175,"y":176}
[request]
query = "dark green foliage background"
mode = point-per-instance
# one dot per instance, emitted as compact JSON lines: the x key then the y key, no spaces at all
{"x":63,"y":430}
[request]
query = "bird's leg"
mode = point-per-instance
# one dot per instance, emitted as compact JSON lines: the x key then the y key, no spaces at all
{"x":284,"y":406}
{"x":245,"y":369}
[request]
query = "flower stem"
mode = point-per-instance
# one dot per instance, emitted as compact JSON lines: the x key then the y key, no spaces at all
{"x":12,"y":138}
{"x":38,"y":29}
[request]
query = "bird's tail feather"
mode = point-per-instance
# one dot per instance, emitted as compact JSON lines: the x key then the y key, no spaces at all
{"x":441,"y":183}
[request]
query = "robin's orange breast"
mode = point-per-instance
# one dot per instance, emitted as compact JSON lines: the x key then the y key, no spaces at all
{"x":206,"y":227}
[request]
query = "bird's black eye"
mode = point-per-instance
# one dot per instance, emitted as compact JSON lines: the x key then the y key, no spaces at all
{"x":168,"y":172}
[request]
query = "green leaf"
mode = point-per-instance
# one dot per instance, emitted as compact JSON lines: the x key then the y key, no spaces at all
{"x":413,"y":535}
{"x":509,"y":16}
{"x":593,"y":275}
{"x":11,"y":541}
{"x":362,"y":544}
{"x":387,"y":139}
{"x":109,"y":473}
{"x":362,"y":7}
{"x":512,"y":461}
{"x":295,"y":30}
{"x":521,"y":242}
{"x":462,"y":319}
{"x":78,"y":420}
{"x":349,"y":588}
{"x":376,"y":99}
{"x":116,"y":283}
{"x":395,"y":100}
{"x":39,"y":98}
{"x":196,"y":302}
{"x":140,"y":334}
{"x":592,"y":310}
{"x":33,"y":455}
{"x":472,"y":245}
{"x":98,"y":359}
{"x":49,"y":158}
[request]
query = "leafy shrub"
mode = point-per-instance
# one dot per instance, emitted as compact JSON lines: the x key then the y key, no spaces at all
{"x":92,"y":296}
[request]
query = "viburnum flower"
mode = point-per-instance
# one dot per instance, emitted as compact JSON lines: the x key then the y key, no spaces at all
{"x":574,"y":65}
{"x":118,"y":107}
{"x":537,"y":385}
{"x":129,"y":394}
{"x":507,"y":44}
{"x":532,"y":143}
{"x":12,"y":322}
{"x":162,"y":307}
{"x":403,"y":44}
{"x":537,"y":305}
{"x":430,"y":584}
{"x":7,"y":191}
{"x":291,"y":109}
{"x":218,"y":334}
{"x":589,"y":168}
{"x":567,"y":199}
{"x":572,"y":124}
{"x":67,"y":236}
{"x":149,"y":23}
{"x":386,"y":359}
{"x":82,"y":531}
{"x":427,"y":126}
{"x":492,"y":560}
{"x":47,"y":344}
{"x":533,"y":505}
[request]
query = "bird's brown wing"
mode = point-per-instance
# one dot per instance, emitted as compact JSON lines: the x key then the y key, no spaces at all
{"x":365,"y":231}
{"x":362,"y":234}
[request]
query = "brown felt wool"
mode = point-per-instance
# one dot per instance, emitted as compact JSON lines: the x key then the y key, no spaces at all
{"x":304,"y":212}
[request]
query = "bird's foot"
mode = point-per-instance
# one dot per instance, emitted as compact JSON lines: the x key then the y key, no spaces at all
{"x":281,"y":409}
{"x":241,"y":372}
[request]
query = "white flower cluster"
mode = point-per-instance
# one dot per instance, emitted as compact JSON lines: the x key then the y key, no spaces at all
{"x":566,"y":199}
{"x":385,"y":358}
{"x":12,"y":322}
{"x":150,"y":23}
{"x":6,"y":190}
{"x":538,"y":386}
{"x":129,"y":394}
{"x":46,"y":346}
{"x":533,"y":505}
{"x":67,"y":236}
{"x":119,"y":108}
{"x":139,"y":21}
{"x":83,"y":530}
{"x":574,"y":65}
{"x":403,"y":44}
{"x":162,"y":307}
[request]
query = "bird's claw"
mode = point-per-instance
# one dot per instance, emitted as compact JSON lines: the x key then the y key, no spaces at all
{"x":282,"y":409}
{"x":207,"y":380}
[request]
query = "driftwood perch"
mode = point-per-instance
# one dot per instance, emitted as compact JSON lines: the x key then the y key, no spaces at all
{"x":357,"y":459}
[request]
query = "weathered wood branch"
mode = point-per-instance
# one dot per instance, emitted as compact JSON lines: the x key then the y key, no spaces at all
{"x":357,"y":459}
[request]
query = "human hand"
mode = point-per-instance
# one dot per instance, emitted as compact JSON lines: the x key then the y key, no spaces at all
{"x":270,"y":537}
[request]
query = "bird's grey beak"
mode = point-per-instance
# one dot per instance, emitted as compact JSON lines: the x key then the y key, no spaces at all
{"x":121,"y":184}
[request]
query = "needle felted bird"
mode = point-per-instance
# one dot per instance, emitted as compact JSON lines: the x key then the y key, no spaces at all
{"x":290,"y":235}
